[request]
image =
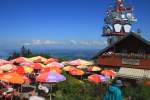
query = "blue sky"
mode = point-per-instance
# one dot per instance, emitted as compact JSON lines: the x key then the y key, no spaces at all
{"x":61,"y":22}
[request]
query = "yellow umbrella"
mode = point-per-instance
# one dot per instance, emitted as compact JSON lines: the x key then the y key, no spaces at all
{"x":38,"y":59}
{"x":85,"y":62}
{"x":28,"y":69}
{"x":67,"y":68}
{"x":82,"y":67}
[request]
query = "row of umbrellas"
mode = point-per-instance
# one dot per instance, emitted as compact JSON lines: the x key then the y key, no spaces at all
{"x":47,"y":68}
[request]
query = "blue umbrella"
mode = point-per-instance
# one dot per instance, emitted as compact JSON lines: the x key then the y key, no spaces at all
{"x":103,"y":78}
{"x":53,"y":77}
{"x":50,"y":77}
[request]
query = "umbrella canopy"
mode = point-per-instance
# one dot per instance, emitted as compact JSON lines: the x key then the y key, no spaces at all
{"x":76,"y":72}
{"x":1,"y":71}
{"x":36,"y":98}
{"x":19,"y":70}
{"x":55,"y":64}
{"x":7,"y":67}
{"x":85,"y":62}
{"x":109,"y":73}
{"x":3,"y":62}
{"x":74,"y":62}
{"x":23,"y":69}
{"x":51,"y":69}
{"x":93,"y":68}
{"x":38,"y":66}
{"x":82,"y":67}
{"x":103,"y":78}
{"x":50,"y":77}
{"x":79,"y":62}
{"x":50,"y":60}
{"x":68,"y":68}
{"x":26,"y":79}
{"x":28,"y":69}
{"x":26,"y":64}
{"x":94,"y":78}
{"x":21,"y":59}
{"x":38,"y":59}
{"x":13,"y":78}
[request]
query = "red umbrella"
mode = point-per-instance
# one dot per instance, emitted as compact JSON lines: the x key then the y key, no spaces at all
{"x":76,"y":72}
{"x":94,"y":78}
{"x":19,"y":69}
{"x":38,"y":66}
{"x":109,"y":73}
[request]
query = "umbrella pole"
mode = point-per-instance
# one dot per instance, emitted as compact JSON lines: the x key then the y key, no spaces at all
{"x":81,"y":77}
{"x":51,"y":87}
{"x":50,"y":92}
{"x":50,"y":97}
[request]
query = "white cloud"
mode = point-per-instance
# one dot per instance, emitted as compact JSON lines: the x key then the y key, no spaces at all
{"x":70,"y":42}
{"x":73,"y":42}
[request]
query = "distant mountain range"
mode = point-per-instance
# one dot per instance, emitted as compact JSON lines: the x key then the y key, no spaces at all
{"x":57,"y":52}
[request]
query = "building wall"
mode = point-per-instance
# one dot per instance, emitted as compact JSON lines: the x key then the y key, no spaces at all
{"x":117,"y":61}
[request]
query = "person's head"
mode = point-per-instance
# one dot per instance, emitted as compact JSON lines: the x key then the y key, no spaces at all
{"x":117,"y":83}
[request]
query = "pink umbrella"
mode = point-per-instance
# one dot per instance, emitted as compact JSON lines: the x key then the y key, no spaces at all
{"x":7,"y":67}
{"x":20,"y":60}
{"x":74,"y":62}
{"x":55,"y":64}
{"x":3,"y":62}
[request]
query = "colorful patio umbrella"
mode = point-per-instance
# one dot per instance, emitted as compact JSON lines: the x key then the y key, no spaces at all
{"x":82,"y":67}
{"x":50,"y":77}
{"x":3,"y":62}
{"x":55,"y":64}
{"x":103,"y":78}
{"x":20,"y":60}
{"x":26,"y":64}
{"x":109,"y":73}
{"x":50,"y":60}
{"x":19,"y":70}
{"x":80,"y":62}
{"x":76,"y":72}
{"x":85,"y":62}
{"x":26,"y":79}
{"x":28,"y":69}
{"x":74,"y":62}
{"x":36,"y":98}
{"x":38,"y":66}
{"x":51,"y":69}
{"x":93,"y":68}
{"x":68,"y":68}
{"x":1,"y":71}
{"x":38,"y":59}
{"x":13,"y":78}
{"x":23,"y":69}
{"x":7,"y":67}
{"x":94,"y":78}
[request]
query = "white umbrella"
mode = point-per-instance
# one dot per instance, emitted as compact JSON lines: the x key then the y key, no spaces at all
{"x":36,"y":98}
